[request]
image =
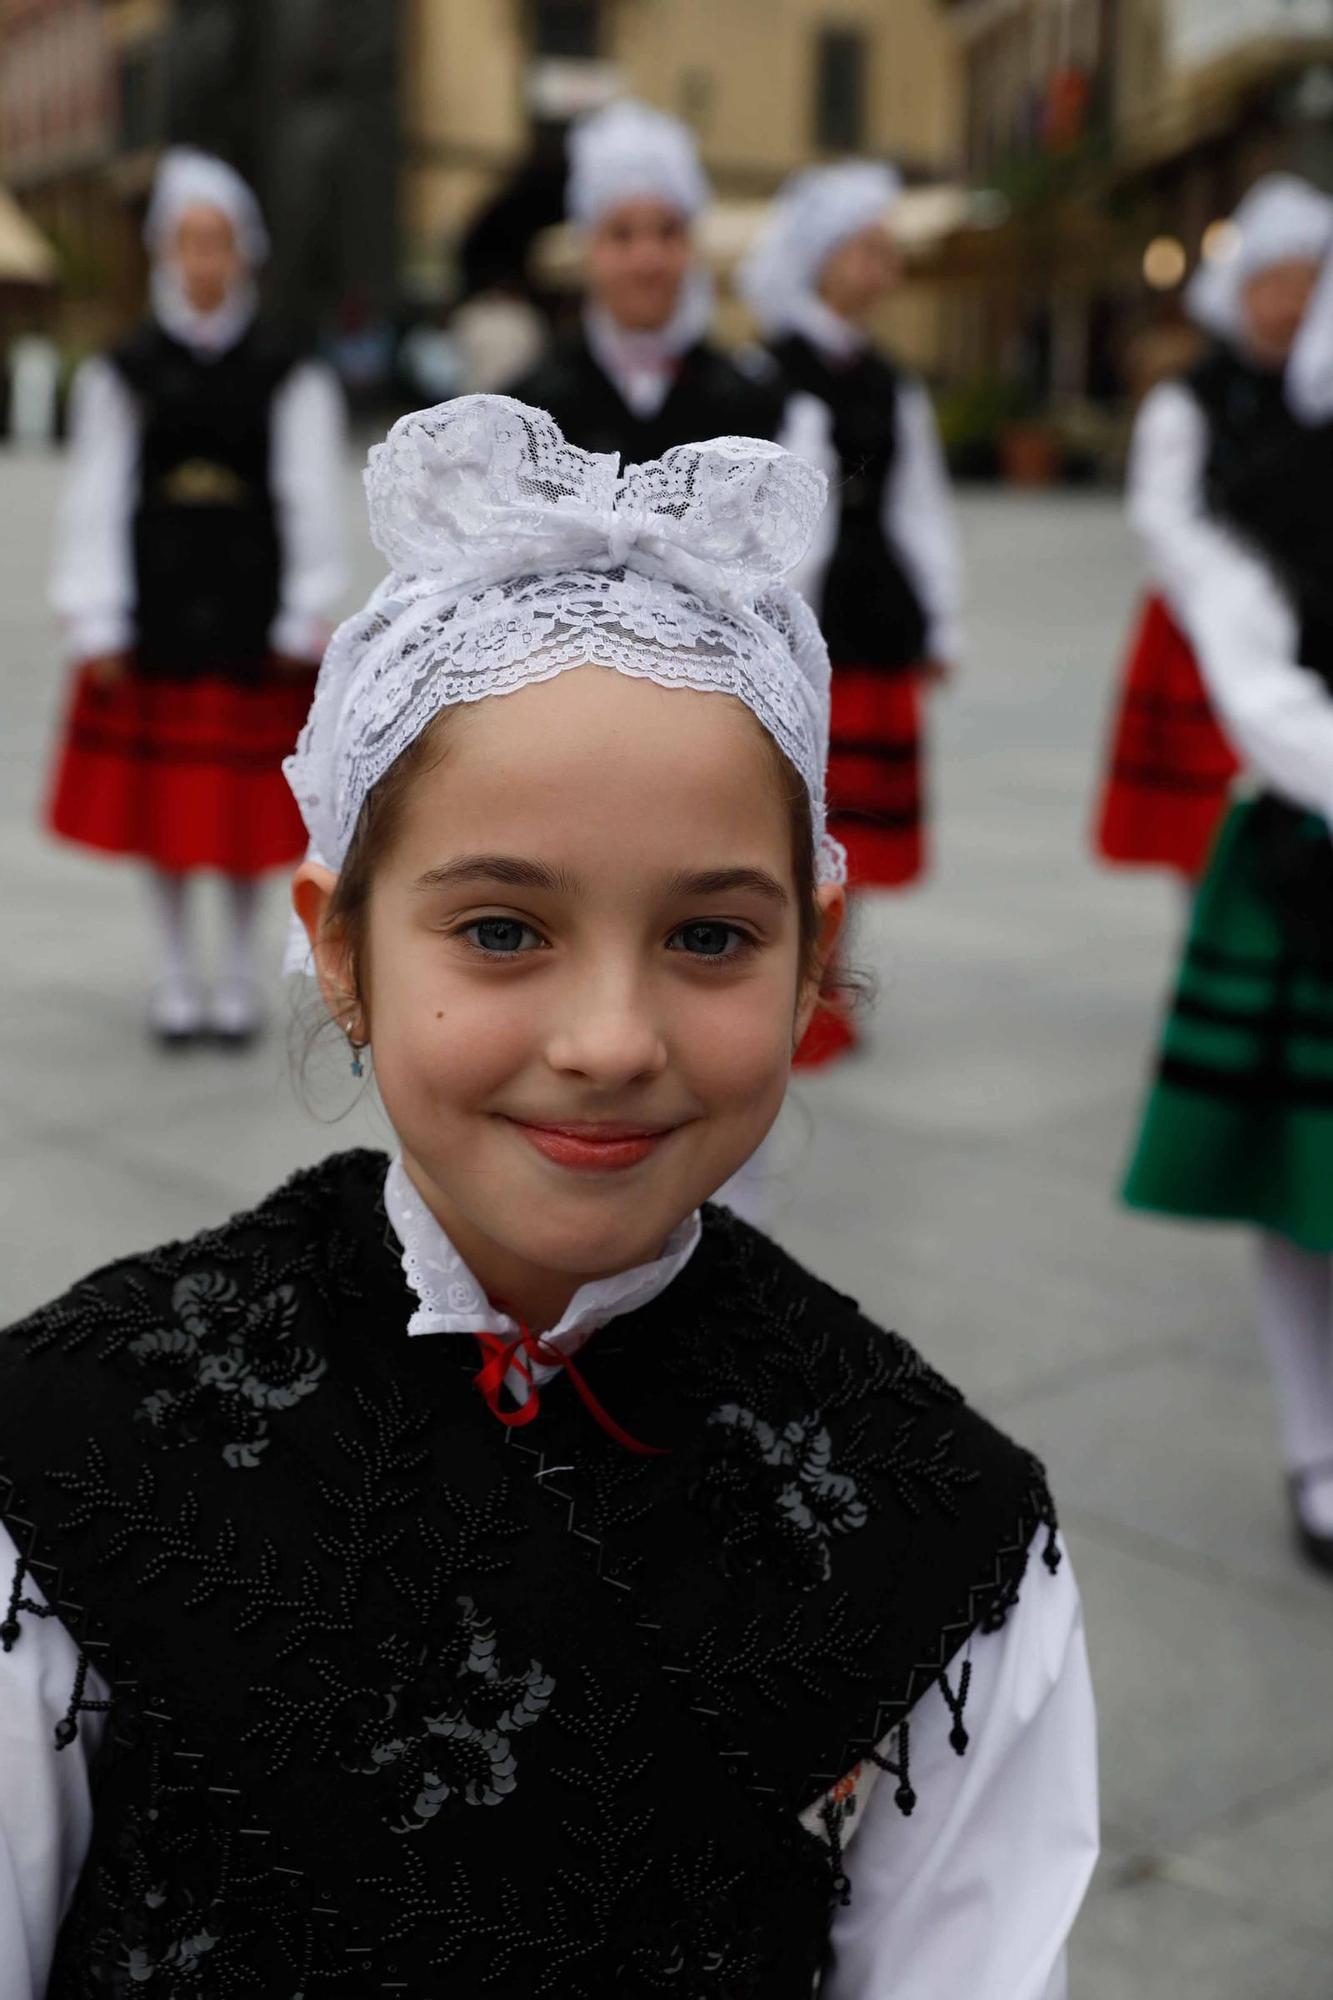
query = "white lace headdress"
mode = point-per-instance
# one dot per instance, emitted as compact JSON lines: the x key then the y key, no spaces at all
{"x":187,"y":178}
{"x":628,"y":151}
{"x":812,"y":213}
{"x":1282,"y":218}
{"x":515,"y":556}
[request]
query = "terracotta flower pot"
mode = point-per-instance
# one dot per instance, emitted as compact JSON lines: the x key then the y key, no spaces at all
{"x":1030,"y":454}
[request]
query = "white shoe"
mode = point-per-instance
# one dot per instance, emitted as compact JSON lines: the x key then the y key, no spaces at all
{"x":235,"y":1011}
{"x":175,"y":1011}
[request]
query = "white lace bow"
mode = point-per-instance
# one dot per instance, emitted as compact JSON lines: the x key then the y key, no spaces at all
{"x":484,"y":488}
{"x":515,"y":556}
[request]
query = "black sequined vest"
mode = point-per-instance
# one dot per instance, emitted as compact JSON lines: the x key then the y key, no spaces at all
{"x":208,"y":561}
{"x":871,"y":615}
{"x":405,"y":1703}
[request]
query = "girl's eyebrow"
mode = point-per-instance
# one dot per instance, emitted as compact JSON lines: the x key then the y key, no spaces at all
{"x":728,"y":881}
{"x":514,"y":872}
{"x":508,"y":869}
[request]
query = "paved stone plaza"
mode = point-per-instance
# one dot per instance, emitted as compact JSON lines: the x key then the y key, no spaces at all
{"x":959,"y":1177}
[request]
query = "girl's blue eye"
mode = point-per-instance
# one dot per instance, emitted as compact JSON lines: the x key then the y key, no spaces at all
{"x":705,"y":940}
{"x":502,"y":937}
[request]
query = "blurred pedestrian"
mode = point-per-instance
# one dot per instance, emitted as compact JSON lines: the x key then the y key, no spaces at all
{"x":1239,"y":1124}
{"x":888,"y":584}
{"x":639,"y":374}
{"x":198,"y":561}
{"x":508,"y":1573}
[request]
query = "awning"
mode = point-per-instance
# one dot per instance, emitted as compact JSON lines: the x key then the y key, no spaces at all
{"x":26,"y":258}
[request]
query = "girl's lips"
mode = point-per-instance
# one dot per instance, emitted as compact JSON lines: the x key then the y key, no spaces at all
{"x":593,"y":1149}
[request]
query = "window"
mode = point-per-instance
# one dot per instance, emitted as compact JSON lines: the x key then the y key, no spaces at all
{"x":140,"y":97}
{"x":567,"y":28}
{"x":841,"y":61}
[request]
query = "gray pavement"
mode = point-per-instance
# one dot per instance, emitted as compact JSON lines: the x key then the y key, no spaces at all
{"x":959,"y":1177}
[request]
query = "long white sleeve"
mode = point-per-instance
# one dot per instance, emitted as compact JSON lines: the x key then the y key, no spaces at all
{"x":306,"y":470}
{"x":975,"y":1894}
{"x":45,"y":1807}
{"x":919,"y":523}
{"x":92,"y":572}
{"x":1278,"y":714}
{"x":807,"y":432}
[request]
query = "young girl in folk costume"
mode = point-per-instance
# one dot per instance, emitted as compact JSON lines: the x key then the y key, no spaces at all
{"x":1171,"y":764}
{"x":639,"y":375}
{"x":506,"y":1571}
{"x":198,"y":561}
{"x":1239,"y":1126}
{"x":885,"y":576}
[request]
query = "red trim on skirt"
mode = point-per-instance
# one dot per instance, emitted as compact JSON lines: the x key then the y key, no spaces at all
{"x":876,"y":784}
{"x":1170,"y":767}
{"x":183,"y":774}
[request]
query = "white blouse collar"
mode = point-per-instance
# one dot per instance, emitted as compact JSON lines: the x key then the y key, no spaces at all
{"x":451,"y":1300}
{"x":823,"y":328}
{"x":205,"y":332}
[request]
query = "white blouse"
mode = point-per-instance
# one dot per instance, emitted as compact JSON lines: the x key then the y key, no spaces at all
{"x":973,"y":1895}
{"x":1241,"y":625}
{"x":92,"y":575}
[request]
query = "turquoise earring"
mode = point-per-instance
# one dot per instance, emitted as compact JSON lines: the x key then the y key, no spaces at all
{"x":358,"y":1067}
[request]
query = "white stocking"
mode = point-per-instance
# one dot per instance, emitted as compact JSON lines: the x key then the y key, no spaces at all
{"x":243,"y":900}
{"x":1296,"y":1320}
{"x":168,"y":896}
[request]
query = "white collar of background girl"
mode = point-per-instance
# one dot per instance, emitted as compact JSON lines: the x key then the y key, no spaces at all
{"x":812,"y":213}
{"x":826,"y":330}
{"x":517,"y":557}
{"x":1310,"y":369}
{"x":451,"y":1300}
{"x":620,"y":352}
{"x":207,"y":333}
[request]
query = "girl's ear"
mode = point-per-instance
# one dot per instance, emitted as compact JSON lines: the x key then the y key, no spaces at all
{"x":832,"y":904}
{"x":312,"y":893}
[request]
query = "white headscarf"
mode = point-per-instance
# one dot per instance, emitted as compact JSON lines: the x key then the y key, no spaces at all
{"x":1310,"y":367}
{"x":516,"y":557}
{"x":629,"y":152}
{"x":1281,"y":219}
{"x":813,"y":212}
{"x":187,"y":178}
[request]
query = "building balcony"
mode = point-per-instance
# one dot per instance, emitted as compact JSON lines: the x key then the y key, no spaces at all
{"x":1244,"y":34}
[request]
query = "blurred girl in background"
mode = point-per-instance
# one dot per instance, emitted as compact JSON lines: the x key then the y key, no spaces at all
{"x":640,"y":375}
{"x":885,"y":574}
{"x":197,"y":565}
{"x":1231,"y":494}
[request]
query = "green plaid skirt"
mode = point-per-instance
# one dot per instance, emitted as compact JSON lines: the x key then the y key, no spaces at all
{"x":1239,"y":1122}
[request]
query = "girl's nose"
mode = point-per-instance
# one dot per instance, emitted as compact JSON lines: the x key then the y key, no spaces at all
{"x":608,"y":1033}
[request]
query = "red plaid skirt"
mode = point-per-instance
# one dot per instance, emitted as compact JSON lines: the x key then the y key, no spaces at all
{"x":1170,"y":767}
{"x":876,"y":795}
{"x":876,"y":785}
{"x":184,"y":774}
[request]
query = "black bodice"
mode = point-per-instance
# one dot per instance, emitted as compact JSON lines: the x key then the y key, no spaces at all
{"x":871,"y":615}
{"x":404,"y":1702}
{"x":1269,"y":477}
{"x":710,"y":397}
{"x":207,"y":551}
